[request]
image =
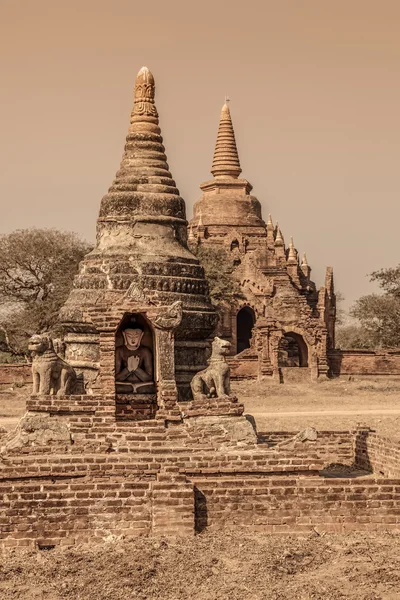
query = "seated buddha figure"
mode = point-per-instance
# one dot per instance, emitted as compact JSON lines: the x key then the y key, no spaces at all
{"x":134,"y":364}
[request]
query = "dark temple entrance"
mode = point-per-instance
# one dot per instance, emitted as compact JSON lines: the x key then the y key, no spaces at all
{"x":293,"y":351}
{"x":245,"y":320}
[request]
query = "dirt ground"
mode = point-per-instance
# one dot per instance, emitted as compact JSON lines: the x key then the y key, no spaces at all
{"x":235,"y":565}
{"x":337,"y":404}
{"x":12,"y":405}
{"x":212,"y":566}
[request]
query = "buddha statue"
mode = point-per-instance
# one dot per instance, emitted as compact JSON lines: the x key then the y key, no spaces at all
{"x":134,"y":364}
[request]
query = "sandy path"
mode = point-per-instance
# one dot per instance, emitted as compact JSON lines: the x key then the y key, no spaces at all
{"x":321,"y":413}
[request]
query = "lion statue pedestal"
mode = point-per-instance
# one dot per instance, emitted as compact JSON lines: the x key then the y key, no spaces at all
{"x":214,"y":416}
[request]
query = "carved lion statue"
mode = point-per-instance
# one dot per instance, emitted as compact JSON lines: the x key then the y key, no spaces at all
{"x":51,"y":374}
{"x":213,"y":381}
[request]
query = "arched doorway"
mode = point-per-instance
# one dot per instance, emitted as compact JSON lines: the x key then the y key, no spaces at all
{"x":293,"y":351}
{"x":245,"y":320}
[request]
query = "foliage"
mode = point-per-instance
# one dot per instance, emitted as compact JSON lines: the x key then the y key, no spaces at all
{"x":352,"y":337}
{"x":37,"y":267}
{"x":219,"y":274}
{"x":340,"y":312}
{"x":388,"y":280}
{"x":379,"y":316}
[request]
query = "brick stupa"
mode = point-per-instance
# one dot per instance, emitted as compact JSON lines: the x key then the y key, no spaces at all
{"x":141,"y":265}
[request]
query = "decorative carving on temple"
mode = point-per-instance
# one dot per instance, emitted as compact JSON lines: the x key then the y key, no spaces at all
{"x":134,"y":370}
{"x":168,"y":317}
{"x":214,"y":381}
{"x":51,"y":374}
{"x":136,"y":292}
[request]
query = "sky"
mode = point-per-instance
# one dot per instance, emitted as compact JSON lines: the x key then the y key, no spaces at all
{"x":314,"y":94}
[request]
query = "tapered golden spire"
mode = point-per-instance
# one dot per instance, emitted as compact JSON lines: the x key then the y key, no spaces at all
{"x":226,"y":159}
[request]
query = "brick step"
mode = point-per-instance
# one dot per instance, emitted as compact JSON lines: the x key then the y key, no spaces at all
{"x":142,"y":430}
{"x":140,"y":437}
{"x":144,"y":423}
{"x":161,"y":450}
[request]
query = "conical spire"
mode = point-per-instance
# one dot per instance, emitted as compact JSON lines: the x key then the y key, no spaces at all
{"x":279,"y":241}
{"x":191,"y":236}
{"x":200,"y":223}
{"x":292,"y":256}
{"x":304,"y":262}
{"x":226,"y":159}
{"x":143,"y":184}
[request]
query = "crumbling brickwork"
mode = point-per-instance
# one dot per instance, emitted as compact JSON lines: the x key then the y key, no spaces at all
{"x":163,"y":483}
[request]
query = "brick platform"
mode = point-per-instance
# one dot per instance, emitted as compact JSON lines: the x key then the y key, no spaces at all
{"x":142,"y":478}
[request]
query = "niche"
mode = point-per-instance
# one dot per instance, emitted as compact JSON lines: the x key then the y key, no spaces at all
{"x":134,"y":356}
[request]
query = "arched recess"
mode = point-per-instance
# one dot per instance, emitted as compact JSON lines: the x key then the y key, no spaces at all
{"x":245,"y":320}
{"x":293,"y":350}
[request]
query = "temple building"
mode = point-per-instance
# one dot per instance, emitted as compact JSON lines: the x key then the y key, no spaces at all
{"x":279,"y":320}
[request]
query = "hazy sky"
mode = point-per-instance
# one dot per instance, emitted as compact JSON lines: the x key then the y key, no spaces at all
{"x":315,"y":96}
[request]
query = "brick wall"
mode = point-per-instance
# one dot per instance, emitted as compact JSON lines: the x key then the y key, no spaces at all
{"x":365,"y":362}
{"x":155,"y":487}
{"x":15,"y":373}
{"x":75,"y":501}
{"x":243,"y":367}
{"x":295,"y":505}
{"x":378,"y":454}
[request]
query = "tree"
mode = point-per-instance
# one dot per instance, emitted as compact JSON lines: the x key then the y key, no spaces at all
{"x":224,"y":287}
{"x":388,"y":280}
{"x":350,"y":337}
{"x":340,"y":312}
{"x":37,"y":267}
{"x":377,"y":316}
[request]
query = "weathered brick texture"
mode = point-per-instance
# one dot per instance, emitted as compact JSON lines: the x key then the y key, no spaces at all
{"x":378,"y":454}
{"x":295,"y":505}
{"x":68,"y":498}
{"x":365,"y":362}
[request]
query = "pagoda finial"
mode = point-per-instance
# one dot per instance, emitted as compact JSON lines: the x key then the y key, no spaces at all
{"x":292,"y":256}
{"x":145,"y":92}
{"x":270,"y":223}
{"x":305,"y":266}
{"x":279,"y":241}
{"x":191,"y":235}
{"x":226,"y":159}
